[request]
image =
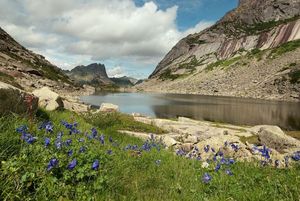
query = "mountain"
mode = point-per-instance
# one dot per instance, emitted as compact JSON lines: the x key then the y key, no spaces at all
{"x":25,"y":69}
{"x":93,"y":74}
{"x":251,"y":52}
{"x":124,"y":81}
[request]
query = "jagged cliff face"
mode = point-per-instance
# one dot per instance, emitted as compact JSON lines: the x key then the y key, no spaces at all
{"x":93,"y":74}
{"x":25,"y":69}
{"x":253,"y":24}
{"x":253,"y":51}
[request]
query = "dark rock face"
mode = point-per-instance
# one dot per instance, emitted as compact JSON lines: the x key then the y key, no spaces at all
{"x":93,"y":74}
{"x":253,"y":24}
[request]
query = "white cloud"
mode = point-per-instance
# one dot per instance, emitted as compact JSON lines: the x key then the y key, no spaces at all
{"x":115,"y":72}
{"x":96,"y":29}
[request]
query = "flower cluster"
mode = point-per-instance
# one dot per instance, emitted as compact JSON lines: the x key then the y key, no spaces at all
{"x":27,"y":137}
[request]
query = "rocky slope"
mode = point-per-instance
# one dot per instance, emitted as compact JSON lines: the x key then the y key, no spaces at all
{"x":25,"y":69}
{"x":252,"y":51}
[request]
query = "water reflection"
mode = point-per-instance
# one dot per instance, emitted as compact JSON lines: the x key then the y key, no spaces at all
{"x":220,"y":109}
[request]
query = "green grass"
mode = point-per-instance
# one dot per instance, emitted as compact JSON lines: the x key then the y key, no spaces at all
{"x":124,"y":175}
{"x":119,"y":121}
{"x":168,"y":75}
{"x":222,"y":63}
{"x":284,"y":48}
{"x":294,"y":76}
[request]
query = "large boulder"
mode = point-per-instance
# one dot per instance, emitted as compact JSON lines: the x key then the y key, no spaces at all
{"x":108,"y":107}
{"x":274,"y":137}
{"x":14,"y":100}
{"x":49,"y":99}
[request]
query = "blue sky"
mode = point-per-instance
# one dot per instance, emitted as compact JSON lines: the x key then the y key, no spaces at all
{"x":129,"y":36}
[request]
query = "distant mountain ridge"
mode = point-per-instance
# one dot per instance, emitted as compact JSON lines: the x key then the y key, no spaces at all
{"x":96,"y":75}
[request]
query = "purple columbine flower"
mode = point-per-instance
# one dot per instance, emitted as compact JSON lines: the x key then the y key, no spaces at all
{"x":231,"y":161}
{"x":59,"y":135}
{"x":223,"y":161}
{"x":218,"y":167}
{"x":52,"y":163}
{"x":49,"y":127}
{"x":296,"y":156}
{"x":206,"y":178}
{"x":72,"y":164}
{"x":235,"y":147}
{"x":58,"y":144}
{"x":30,"y":139}
{"x":101,"y":138}
{"x":22,"y":129}
{"x":206,"y":148}
{"x":94,"y":132}
{"x":82,"y":149}
{"x":68,"y":142}
{"x":228,"y":172}
{"x":47,"y":142}
{"x":95,"y":165}
{"x":70,"y":153}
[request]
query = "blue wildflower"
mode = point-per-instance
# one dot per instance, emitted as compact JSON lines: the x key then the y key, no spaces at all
{"x":68,"y":142}
{"x":296,"y":156}
{"x":28,"y":138}
{"x":82,"y":149}
{"x":231,"y":161}
{"x":223,"y":161}
{"x":235,"y":147}
{"x":110,"y":139}
{"x":206,"y":148}
{"x":70,"y":153}
{"x":218,"y":166}
{"x":196,"y":149}
{"x":206,"y":178}
{"x":72,"y":164}
{"x":47,"y":142}
{"x":58,"y":144}
{"x":228,"y":172}
{"x":265,"y":152}
{"x":180,"y":152}
{"x":101,"y":138}
{"x":95,"y":165}
{"x":52,"y":163}
{"x":94,"y":132}
{"x":59,"y":135}
{"x":109,"y":152}
{"x":22,"y":129}
{"x":199,"y":158}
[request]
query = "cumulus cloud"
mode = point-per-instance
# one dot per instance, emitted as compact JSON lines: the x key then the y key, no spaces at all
{"x":98,"y":29}
{"x":115,"y":72}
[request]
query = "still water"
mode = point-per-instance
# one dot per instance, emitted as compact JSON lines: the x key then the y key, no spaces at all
{"x":239,"y":111}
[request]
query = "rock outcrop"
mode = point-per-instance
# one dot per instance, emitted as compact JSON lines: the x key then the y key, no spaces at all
{"x":14,"y":100}
{"x":240,"y":37}
{"x":206,"y":140}
{"x":48,"y":99}
{"x":108,"y":107}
